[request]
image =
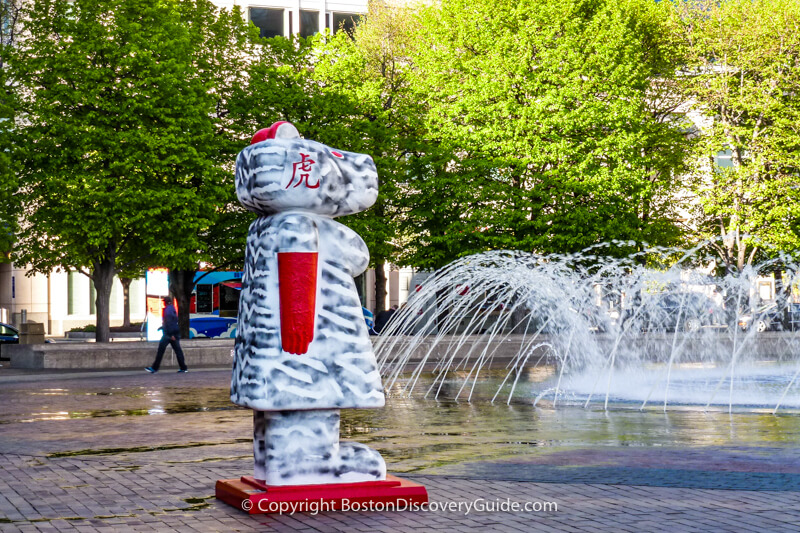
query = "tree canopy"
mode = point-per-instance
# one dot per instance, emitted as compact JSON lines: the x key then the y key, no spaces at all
{"x":546,"y":107}
{"x":541,"y":125}
{"x":370,"y":70}
{"x":115,"y":137}
{"x":743,"y":73}
{"x":9,"y":208}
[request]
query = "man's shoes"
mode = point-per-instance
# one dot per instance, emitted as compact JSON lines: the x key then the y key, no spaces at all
{"x":150,"y":369}
{"x":183,"y":370}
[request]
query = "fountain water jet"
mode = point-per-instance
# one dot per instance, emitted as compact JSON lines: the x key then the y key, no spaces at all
{"x":647,"y":323}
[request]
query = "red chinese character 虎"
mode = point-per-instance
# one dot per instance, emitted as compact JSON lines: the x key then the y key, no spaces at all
{"x":304,"y":165}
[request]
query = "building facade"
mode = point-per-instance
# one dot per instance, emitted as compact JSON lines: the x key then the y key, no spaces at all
{"x":298,"y":17}
{"x":60,"y":300}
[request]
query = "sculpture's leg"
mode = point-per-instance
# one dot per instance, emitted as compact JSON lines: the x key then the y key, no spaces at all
{"x":302,"y":448}
{"x":259,"y":445}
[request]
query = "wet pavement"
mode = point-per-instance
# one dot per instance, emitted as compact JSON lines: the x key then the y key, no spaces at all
{"x":129,"y":451}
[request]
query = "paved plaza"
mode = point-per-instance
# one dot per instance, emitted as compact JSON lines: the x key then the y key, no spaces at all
{"x":127,"y":451}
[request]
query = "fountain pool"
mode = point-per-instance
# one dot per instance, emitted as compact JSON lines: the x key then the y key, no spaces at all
{"x":650,"y":330}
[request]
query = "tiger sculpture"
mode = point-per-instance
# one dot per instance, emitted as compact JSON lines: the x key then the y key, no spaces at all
{"x":302,"y":348}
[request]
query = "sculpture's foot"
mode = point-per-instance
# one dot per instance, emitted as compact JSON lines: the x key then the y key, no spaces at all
{"x":351,"y":463}
{"x":302,"y":448}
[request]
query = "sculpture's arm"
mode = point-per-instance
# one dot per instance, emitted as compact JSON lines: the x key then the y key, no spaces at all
{"x":297,"y":280}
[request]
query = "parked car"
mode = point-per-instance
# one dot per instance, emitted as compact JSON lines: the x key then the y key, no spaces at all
{"x":212,"y":327}
{"x":8,"y":334}
{"x":770,"y":318}
{"x":206,"y":326}
{"x":682,"y":311}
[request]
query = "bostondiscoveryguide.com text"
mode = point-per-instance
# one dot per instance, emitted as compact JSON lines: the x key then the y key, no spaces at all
{"x":479,"y":505}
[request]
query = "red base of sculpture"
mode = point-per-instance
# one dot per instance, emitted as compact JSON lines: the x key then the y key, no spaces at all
{"x":255,"y":497}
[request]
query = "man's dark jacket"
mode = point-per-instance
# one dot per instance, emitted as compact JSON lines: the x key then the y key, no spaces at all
{"x":170,"y":326}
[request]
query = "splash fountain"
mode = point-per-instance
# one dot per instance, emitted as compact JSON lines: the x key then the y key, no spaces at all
{"x":647,"y":330}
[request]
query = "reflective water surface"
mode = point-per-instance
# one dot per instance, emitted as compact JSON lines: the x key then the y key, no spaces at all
{"x":411,"y":432}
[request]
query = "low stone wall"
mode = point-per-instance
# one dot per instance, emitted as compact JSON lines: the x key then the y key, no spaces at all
{"x":116,"y":355}
{"x":217,"y":352}
{"x":498,"y":353}
{"x":706,"y":346}
{"x":202,"y":352}
{"x":81,"y":335}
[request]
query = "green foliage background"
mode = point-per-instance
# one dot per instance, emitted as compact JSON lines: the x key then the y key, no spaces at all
{"x":540,"y":125}
{"x":548,"y":105}
{"x":743,"y":71}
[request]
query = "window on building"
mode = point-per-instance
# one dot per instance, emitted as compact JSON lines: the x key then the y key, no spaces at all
{"x":724,"y":159}
{"x":345,"y":21}
{"x":309,"y":22}
{"x":268,"y":21}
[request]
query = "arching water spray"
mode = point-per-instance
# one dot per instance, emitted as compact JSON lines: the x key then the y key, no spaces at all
{"x":658,"y":321}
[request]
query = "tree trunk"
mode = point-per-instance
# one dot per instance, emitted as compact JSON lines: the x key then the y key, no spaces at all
{"x":741,"y":255}
{"x":181,"y":284}
{"x":103,"y":277}
{"x":126,"y":301}
{"x":380,"y":287}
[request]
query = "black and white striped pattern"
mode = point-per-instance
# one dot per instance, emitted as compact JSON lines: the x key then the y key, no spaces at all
{"x":339,"y":369}
{"x":303,"y":448}
{"x":266,"y":176}
{"x":296,"y":398}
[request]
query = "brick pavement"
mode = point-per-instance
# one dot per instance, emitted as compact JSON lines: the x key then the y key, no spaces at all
{"x":121,"y":468}
{"x":161,"y":493}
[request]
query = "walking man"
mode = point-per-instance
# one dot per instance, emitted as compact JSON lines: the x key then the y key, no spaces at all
{"x":170,"y":334}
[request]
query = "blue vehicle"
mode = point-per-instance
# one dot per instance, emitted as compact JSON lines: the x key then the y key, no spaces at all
{"x":369,"y":318}
{"x":212,"y":327}
{"x":8,"y":334}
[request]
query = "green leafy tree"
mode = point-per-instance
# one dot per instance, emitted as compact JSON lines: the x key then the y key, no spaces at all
{"x":560,"y":117}
{"x":254,"y":82}
{"x":351,"y":90}
{"x":446,"y":211}
{"x":223,"y":43}
{"x":273,"y":83}
{"x":9,"y":207}
{"x":112,"y":134}
{"x":370,"y":71}
{"x":743,"y":72}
